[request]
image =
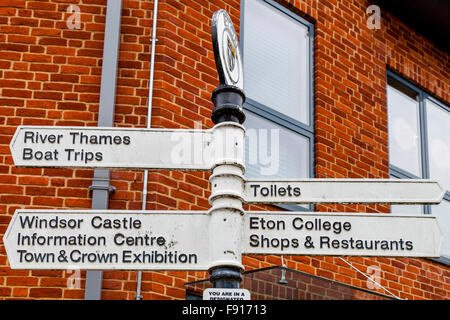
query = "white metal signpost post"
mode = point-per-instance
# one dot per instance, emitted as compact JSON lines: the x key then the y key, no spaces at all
{"x":216,"y":239}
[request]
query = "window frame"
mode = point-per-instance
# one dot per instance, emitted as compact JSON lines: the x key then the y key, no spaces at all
{"x":423,"y":127}
{"x":303,"y":129}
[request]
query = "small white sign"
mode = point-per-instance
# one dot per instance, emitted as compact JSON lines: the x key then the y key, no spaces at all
{"x":399,"y":191}
{"x":108,"y":239}
{"x":226,"y":294}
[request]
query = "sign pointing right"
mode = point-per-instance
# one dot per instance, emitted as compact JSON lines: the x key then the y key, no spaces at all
{"x":341,"y":234}
{"x":394,"y":191}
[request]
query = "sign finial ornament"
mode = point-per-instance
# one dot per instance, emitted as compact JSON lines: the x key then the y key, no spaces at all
{"x":229,"y":96}
{"x":226,"y":50}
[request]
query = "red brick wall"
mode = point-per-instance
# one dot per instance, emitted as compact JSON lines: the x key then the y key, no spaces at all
{"x":50,"y":75}
{"x":266,"y":284}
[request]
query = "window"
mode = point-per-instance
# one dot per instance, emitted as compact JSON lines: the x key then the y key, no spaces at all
{"x":277,"y":48}
{"x":404,"y":131}
{"x":419,"y":146}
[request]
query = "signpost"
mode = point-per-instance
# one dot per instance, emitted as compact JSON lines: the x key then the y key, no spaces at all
{"x":100,"y":147}
{"x":213,"y":240}
{"x":168,"y":240}
{"x":341,"y":234}
{"x":108,"y":239}
{"x":401,"y":191}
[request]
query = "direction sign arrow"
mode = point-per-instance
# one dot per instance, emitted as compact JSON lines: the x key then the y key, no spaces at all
{"x":108,"y":239}
{"x":401,"y":191}
{"x":296,"y":233}
{"x":99,"y":147}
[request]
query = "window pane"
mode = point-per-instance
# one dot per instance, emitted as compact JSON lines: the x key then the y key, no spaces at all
{"x":404,"y":135}
{"x":442,"y":212}
{"x":276,"y":60}
{"x":438,"y":125}
{"x":407,"y":209}
{"x":272,"y":151}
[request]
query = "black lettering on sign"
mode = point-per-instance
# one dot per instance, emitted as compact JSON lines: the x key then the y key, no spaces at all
{"x":82,"y":138}
{"x":144,"y":240}
{"x":274,"y":191}
{"x":351,"y":243}
{"x":262,"y":223}
{"x":45,"y":257}
{"x":318,"y":225}
{"x":30,"y":154}
{"x":36,"y":137}
{"x":82,"y":155}
{"x":262,"y":241}
{"x":125,"y":223}
{"x":31,"y":222}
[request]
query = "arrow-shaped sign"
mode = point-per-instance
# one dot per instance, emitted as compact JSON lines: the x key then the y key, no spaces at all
{"x":398,"y":191}
{"x":296,"y":233}
{"x":108,"y":239}
{"x":98,"y":147}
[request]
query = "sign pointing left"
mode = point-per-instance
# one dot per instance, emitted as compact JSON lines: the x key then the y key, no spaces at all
{"x":97,"y":147}
{"x":108,"y":239}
